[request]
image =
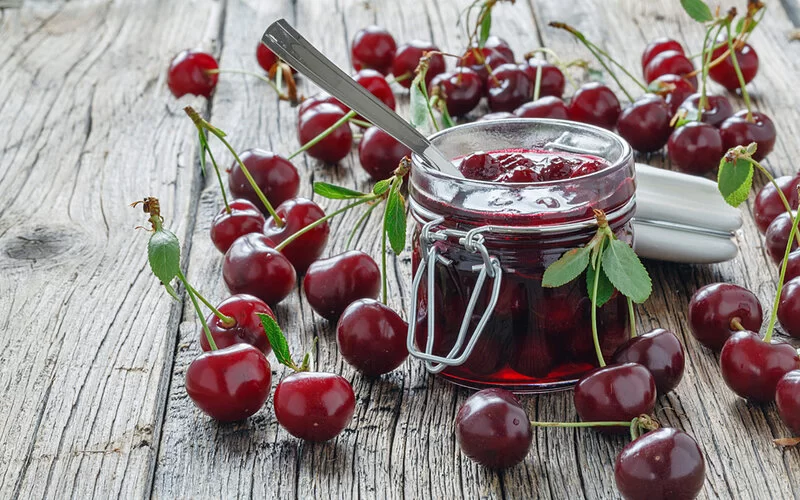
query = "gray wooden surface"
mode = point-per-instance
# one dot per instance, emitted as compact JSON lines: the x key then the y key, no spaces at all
{"x":93,"y":354}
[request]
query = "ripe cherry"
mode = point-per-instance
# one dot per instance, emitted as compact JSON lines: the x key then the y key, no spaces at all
{"x":544,"y":107}
{"x":793,"y":266}
{"x":406,"y":60}
{"x":724,"y":72}
{"x":317,"y":99}
{"x":244,"y":218}
{"x":674,"y":89}
{"x":552,"y":81}
{"x":296,"y":214}
{"x":663,"y":464}
{"x":276,"y":176}
{"x":334,"y":283}
{"x":738,"y":131}
{"x":509,"y":88}
{"x":768,"y":204}
{"x":787,"y":397}
{"x":645,"y":123}
{"x":716,"y":308}
{"x":660,"y":352}
{"x":669,"y":62}
{"x":718,"y":109}
{"x":595,"y":104}
{"x":533,"y":355}
{"x":253,"y":267}
{"x":372,"y":337}
{"x":316,"y":120}
{"x":379,"y":153}
{"x":377,"y":86}
{"x":695,"y":148}
{"x":314,"y":406}
{"x":373,"y":48}
{"x":496,"y":43}
{"x":229,"y":384}
{"x":789,"y":308}
{"x":752,"y":367}
{"x":493,"y":429}
{"x":777,"y":237}
{"x":188,"y":74}
{"x":246,"y":327}
{"x":658,"y":46}
{"x":265,"y":57}
{"x":462,"y":90}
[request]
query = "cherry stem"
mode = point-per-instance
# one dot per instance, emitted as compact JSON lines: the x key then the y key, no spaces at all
{"x":325,"y":133}
{"x":384,"y":280}
{"x":778,"y":189}
{"x":632,"y":317}
{"x":736,"y":324}
{"x":774,"y":316}
{"x":361,"y":123}
{"x":227,"y":321}
{"x":219,"y":177}
{"x":358,"y":224}
{"x":537,"y":85}
{"x":738,"y":70}
{"x":190,"y":292}
{"x":581,"y":424}
{"x":272,"y":84}
{"x":704,"y":68}
{"x":595,"y":337}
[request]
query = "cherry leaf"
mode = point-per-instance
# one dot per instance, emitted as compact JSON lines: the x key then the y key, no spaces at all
{"x":626,"y":272}
{"x":164,"y":255}
{"x":735,"y":178}
{"x":568,"y":267}
{"x":394,"y":221}
{"x":334,"y":192}
{"x":381,"y":187}
{"x":276,"y":339}
{"x":604,"y":287}
{"x":418,"y":100}
{"x":697,"y":10}
{"x":486,"y":28}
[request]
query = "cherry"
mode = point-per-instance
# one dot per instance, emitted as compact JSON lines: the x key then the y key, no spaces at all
{"x":793,"y":266}
{"x":188,"y":74}
{"x":296,"y":214}
{"x":695,"y":148}
{"x":244,"y":218}
{"x":738,"y":131}
{"x":544,"y":107}
{"x":496,"y":43}
{"x":552,"y":81}
{"x":768,"y":204}
{"x":372,"y":337}
{"x":658,"y":46}
{"x":713,"y":309}
{"x":787,"y":397}
{"x":317,"y":99}
{"x":462,"y":90}
{"x":316,"y":120}
{"x":533,"y":355}
{"x":253,"y":267}
{"x":500,"y":115}
{"x":229,"y":384}
{"x":660,"y":352}
{"x":334,"y":283}
{"x":265,"y":57}
{"x":777,"y":237}
{"x":669,"y":62}
{"x":276,"y":176}
{"x":595,"y":104}
{"x":645,"y":123}
{"x":662,"y":464}
{"x":509,"y":88}
{"x":718,"y":108}
{"x":377,"y":86}
{"x":789,"y":308}
{"x":493,"y":429}
{"x":480,"y":166}
{"x":674,"y":89}
{"x":724,"y":72}
{"x":380,"y":153}
{"x":406,"y":60}
{"x":615,"y":393}
{"x":374,"y":48}
{"x":477,"y":59}
{"x":314,"y":406}
{"x":246,"y":328}
{"x":752,"y":367}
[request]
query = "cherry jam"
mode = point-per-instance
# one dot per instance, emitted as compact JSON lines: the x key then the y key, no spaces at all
{"x":519,"y":165}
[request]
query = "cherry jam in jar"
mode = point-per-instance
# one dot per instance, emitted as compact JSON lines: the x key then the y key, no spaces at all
{"x":520,"y":194}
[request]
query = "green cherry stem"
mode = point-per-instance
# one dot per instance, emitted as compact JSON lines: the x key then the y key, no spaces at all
{"x":272,"y":84}
{"x":774,"y":316}
{"x":361,"y":123}
{"x":219,"y":176}
{"x":325,"y":133}
{"x":774,"y":183}
{"x":595,"y":337}
{"x":704,"y":68}
{"x":736,"y":324}
{"x":632,"y":317}
{"x":738,"y":70}
{"x":537,"y":85}
{"x":384,"y":280}
{"x":190,"y":292}
{"x":227,"y":321}
{"x":358,"y":225}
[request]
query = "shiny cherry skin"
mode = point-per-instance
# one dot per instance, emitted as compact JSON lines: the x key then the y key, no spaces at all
{"x":316,"y":120}
{"x":544,"y":107}
{"x":595,"y":104}
{"x":658,"y":46}
{"x":645,"y":123}
{"x":493,"y":429}
{"x":787,"y":397}
{"x":406,"y":60}
{"x":314,"y":406}
{"x":674,"y":89}
{"x":752,"y":367}
{"x":377,"y":85}
{"x":496,"y":43}
{"x":379,"y":153}
{"x":695,"y":148}
{"x":713,"y":308}
{"x":724,"y":72}
{"x":265,"y":57}
{"x":789,"y":308}
{"x":738,"y":131}
{"x":296,"y":214}
{"x":768,"y":204}
{"x":718,"y":108}
{"x":247,"y":327}
{"x":615,"y":393}
{"x":276,"y":176}
{"x":334,"y":283}
{"x":317,"y":99}
{"x":244,"y":218}
{"x":552,"y":81}
{"x":664,"y":464}
{"x":188,"y":74}
{"x":372,"y":337}
{"x":509,"y":88}
{"x":251,"y":266}
{"x":229,"y":384}
{"x":777,"y":237}
{"x":373,"y":48}
{"x":660,"y":352}
{"x":462,"y":90}
{"x":669,"y":62}
{"x":491,"y":57}
{"x":793,"y":266}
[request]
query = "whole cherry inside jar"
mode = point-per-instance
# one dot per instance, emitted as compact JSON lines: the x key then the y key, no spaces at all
{"x":479,"y":313}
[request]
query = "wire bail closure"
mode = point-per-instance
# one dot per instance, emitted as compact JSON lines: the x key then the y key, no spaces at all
{"x":473,"y":242}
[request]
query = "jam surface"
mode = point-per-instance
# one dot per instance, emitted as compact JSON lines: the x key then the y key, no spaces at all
{"x":527,"y":166}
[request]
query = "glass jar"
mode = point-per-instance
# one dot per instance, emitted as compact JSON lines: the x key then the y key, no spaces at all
{"x":480,"y":249}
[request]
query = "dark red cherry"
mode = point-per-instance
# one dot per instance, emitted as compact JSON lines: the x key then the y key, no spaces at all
{"x":777,"y":237}
{"x":645,"y":123}
{"x":246,"y":327}
{"x":738,"y":131}
{"x":674,"y":89}
{"x":317,"y":99}
{"x":724,"y":72}
{"x":265,"y":57}
{"x":316,"y":120}
{"x":718,"y":108}
{"x":493,"y":429}
{"x":544,"y":107}
{"x":660,"y":352}
{"x":188,"y":74}
{"x":244,"y":218}
{"x":480,"y":166}
{"x":477,"y":59}
{"x":500,"y":115}
{"x":229,"y":384}
{"x":789,"y":308}
{"x":296,"y":214}
{"x":713,"y":308}
{"x":500,"y":45}
{"x":669,"y":62}
{"x":695,"y":148}
{"x":406,"y":60}
{"x":787,"y":397}
{"x":373,"y":48}
{"x":314,"y":406}
{"x":377,"y":85}
{"x":552,"y":80}
{"x":595,"y":104}
{"x":664,"y":464}
{"x":793,"y":266}
{"x":276,"y":176}
{"x":533,"y":355}
{"x":509,"y":88}
{"x":462,"y":90}
{"x":658,"y":46}
{"x":334,"y":283}
{"x":371,"y":337}
{"x":379,"y":153}
{"x":253,"y":267}
{"x":752,"y":367}
{"x":769,"y":205}
{"x":615,"y":393}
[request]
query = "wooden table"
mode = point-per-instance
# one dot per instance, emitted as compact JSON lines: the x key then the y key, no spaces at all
{"x":93,"y":353}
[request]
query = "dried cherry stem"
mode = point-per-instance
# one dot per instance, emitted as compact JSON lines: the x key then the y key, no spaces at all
{"x":774,"y":316}
{"x":738,"y":70}
{"x":637,"y":425}
{"x":263,"y":78}
{"x":736,"y":324}
{"x":325,"y":133}
{"x":595,"y":338}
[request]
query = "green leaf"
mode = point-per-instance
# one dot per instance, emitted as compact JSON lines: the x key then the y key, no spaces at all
{"x":735,"y":180}
{"x":604,"y":287}
{"x":394,"y":221}
{"x":626,"y":272}
{"x":697,"y":10}
{"x":334,"y":192}
{"x":276,"y":339}
{"x":486,"y":28}
{"x":568,"y":267}
{"x":418,"y":101}
{"x":164,"y":255}
{"x":447,"y":120}
{"x":381,"y":187}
